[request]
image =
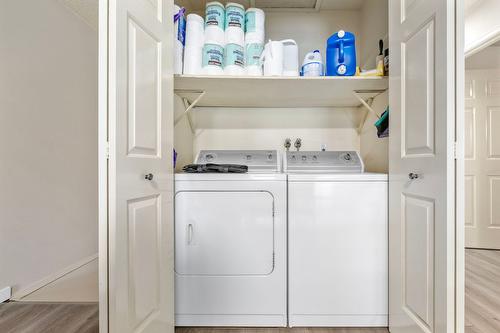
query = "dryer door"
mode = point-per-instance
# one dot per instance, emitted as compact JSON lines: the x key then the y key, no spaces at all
{"x":223,"y":233}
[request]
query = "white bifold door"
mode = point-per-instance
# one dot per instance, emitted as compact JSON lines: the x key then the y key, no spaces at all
{"x":482,"y":159}
{"x":139,"y":83}
{"x":422,"y":166}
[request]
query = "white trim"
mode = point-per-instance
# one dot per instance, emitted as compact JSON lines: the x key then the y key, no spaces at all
{"x":459,"y":168}
{"x":20,"y":294}
{"x":5,"y":294}
{"x":103,"y":158}
{"x":482,"y":43}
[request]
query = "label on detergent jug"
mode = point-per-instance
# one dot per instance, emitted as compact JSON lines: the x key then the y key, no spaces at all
{"x":253,"y":53}
{"x":234,"y":55}
{"x":213,"y":55}
{"x":214,"y":15}
{"x":235,"y":17}
{"x":250,"y":22}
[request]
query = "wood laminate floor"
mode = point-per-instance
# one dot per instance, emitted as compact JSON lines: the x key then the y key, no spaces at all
{"x":25,"y":317}
{"x":482,"y":308}
{"x":482,"y":291}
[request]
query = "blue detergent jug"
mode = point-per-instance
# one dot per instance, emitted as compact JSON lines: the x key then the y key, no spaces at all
{"x":341,"y":54}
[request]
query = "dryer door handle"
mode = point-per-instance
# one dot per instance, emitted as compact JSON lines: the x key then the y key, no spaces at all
{"x":190,"y":233}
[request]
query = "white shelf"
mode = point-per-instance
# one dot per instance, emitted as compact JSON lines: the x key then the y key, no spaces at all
{"x":278,"y":92}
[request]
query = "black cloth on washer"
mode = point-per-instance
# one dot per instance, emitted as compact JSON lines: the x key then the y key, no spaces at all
{"x":215,"y":168}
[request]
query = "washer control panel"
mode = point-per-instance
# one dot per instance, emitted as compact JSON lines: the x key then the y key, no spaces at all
{"x":256,"y":160}
{"x":323,"y":161}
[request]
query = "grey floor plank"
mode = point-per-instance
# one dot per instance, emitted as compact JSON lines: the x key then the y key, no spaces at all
{"x":482,"y":291}
{"x":24,"y":317}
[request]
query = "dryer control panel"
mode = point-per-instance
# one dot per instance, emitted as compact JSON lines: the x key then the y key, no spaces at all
{"x":323,"y":161}
{"x":256,"y":160}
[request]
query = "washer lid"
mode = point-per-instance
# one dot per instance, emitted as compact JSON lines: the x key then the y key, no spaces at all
{"x":323,"y":162}
{"x":256,"y":160}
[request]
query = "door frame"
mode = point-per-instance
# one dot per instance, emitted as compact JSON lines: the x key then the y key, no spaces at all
{"x":459,"y":167}
{"x":103,"y":154}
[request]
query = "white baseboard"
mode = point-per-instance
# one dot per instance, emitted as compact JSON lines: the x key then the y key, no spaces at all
{"x":5,"y":294}
{"x":19,"y":294}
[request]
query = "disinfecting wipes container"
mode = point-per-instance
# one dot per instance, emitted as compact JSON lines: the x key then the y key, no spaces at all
{"x":235,"y":24}
{"x":254,"y":20}
{"x":214,"y":22}
{"x":253,"y":53}
{"x":214,"y":15}
{"x":235,"y":16}
{"x":253,"y":66}
{"x":234,"y":59}
{"x":213,"y":59}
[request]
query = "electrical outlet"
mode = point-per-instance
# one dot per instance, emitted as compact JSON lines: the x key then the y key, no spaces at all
{"x":323,"y":147}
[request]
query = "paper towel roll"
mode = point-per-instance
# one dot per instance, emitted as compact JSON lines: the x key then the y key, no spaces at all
{"x":192,"y":60}
{"x":195,"y":29}
{"x":178,"y":52}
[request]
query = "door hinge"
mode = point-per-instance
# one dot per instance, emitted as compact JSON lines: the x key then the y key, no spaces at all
{"x":274,"y":259}
{"x":455,"y":152}
{"x":107,"y":150}
{"x":273,"y":208}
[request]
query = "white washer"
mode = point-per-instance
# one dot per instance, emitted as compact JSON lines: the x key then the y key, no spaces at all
{"x":337,"y":241}
{"x":230,"y":243}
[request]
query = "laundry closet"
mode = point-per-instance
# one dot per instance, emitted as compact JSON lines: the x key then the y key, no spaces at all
{"x":277,"y":246}
{"x":293,"y":228}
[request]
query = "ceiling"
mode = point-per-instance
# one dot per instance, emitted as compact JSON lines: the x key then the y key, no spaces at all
{"x":87,"y":10}
{"x":471,"y":4}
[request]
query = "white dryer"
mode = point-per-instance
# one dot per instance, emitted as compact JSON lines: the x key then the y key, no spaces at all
{"x":230,"y":243}
{"x":337,"y":241}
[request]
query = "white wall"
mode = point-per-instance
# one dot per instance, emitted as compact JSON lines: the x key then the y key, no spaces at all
{"x":48,"y":141}
{"x":312,"y":138}
{"x":267,"y":128}
{"x":487,"y":58}
{"x":374,"y":26}
{"x":183,"y":138}
{"x":311,"y":29}
{"x":375,"y":151}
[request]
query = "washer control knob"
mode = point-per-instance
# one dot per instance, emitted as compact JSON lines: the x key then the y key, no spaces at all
{"x":209,"y":157}
{"x":347,"y":157}
{"x":270,"y":157}
{"x":249,"y":157}
{"x":315,"y":158}
{"x":304,"y":158}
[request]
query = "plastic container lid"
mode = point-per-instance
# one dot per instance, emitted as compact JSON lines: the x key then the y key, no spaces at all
{"x":234,"y":4}
{"x":214,"y":3}
{"x":253,"y":9}
{"x":195,"y":17}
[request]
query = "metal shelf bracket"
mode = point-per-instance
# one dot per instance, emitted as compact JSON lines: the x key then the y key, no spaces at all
{"x":368,"y":105}
{"x":188,"y":106}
